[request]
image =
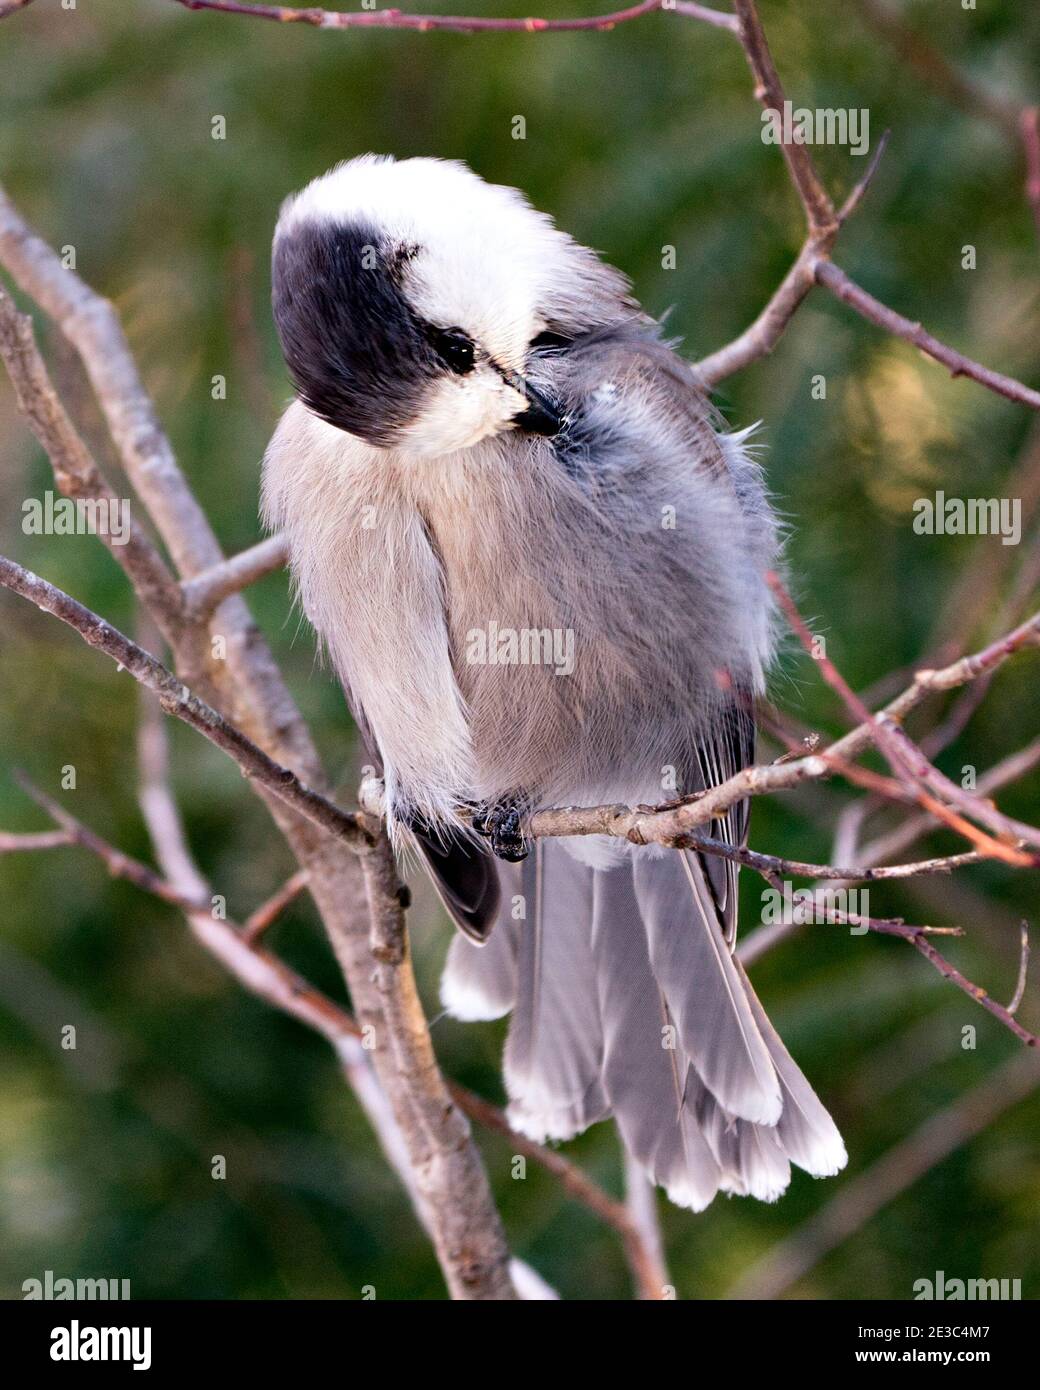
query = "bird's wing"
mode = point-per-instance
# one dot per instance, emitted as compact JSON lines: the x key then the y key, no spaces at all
{"x":466,"y":881}
{"x":553,"y":1057}
{"x":462,"y":872}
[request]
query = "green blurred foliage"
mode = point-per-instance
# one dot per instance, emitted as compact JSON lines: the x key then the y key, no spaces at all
{"x":636,"y":139}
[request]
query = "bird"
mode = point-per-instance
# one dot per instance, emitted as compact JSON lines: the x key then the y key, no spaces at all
{"x":534,"y":556}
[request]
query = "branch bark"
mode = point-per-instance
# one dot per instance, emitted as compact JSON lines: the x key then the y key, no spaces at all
{"x":839,"y":284}
{"x":424,"y":23}
{"x":204,"y":594}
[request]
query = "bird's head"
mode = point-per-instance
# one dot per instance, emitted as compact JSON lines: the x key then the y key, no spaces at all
{"x":413,"y":302}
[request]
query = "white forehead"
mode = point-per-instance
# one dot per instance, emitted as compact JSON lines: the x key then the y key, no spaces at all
{"x":488,"y":262}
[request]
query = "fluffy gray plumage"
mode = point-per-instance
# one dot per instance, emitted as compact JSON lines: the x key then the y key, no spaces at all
{"x":431,"y":323}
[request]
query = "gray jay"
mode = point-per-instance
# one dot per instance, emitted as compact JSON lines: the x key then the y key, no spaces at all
{"x":537,"y":568}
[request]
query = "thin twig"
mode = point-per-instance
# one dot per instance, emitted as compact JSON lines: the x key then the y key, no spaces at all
{"x":11,"y":843}
{"x":668,"y":826}
{"x":1023,"y":969}
{"x":761,"y":336}
{"x":797,"y":868}
{"x":397,"y":19}
{"x":459,"y":24}
{"x":906,"y":760}
{"x":845,"y":289}
{"x":268,"y":912}
{"x":896,"y":841}
{"x":572,"y":1179}
{"x":979,"y":808}
{"x":203,"y":594}
{"x":718,"y":19}
{"x":973,"y":991}
{"x":119,"y":865}
{"x":813,"y":264}
{"x":819,"y":210}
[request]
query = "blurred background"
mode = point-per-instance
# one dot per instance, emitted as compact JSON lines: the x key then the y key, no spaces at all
{"x":643,"y":138}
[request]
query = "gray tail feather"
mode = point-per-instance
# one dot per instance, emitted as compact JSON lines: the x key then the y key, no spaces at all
{"x":806,"y":1131}
{"x":644,"y":1079}
{"x":699,"y":979}
{"x":554,"y":1052}
{"x":626,"y":1001}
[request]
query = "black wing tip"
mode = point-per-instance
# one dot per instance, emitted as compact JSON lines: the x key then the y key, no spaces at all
{"x":466,"y":880}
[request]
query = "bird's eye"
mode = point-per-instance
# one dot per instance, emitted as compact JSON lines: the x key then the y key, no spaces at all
{"x":454,"y":349}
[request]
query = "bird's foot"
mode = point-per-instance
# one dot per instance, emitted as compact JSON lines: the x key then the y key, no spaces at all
{"x":501,"y":823}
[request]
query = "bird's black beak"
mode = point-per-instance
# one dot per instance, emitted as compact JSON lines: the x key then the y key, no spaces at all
{"x":542,"y":415}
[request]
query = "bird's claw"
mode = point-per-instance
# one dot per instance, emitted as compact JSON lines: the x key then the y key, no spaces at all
{"x":502,"y":825}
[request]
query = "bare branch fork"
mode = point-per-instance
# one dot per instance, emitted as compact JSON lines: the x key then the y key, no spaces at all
{"x":204,"y":594}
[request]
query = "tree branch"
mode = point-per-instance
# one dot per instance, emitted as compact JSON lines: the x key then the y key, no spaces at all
{"x":207,"y":591}
{"x":819,"y":210}
{"x":175,"y":698}
{"x":896,"y":841}
{"x":76,"y":473}
{"x":839,"y":284}
{"x":249,"y":685}
{"x":761,"y":336}
{"x":264,"y":729}
{"x":797,"y":868}
{"x":813,"y":264}
{"x":907,"y":761}
{"x":47,"y":839}
{"x":668,"y":825}
{"x":459,"y":24}
{"x":268,"y":912}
